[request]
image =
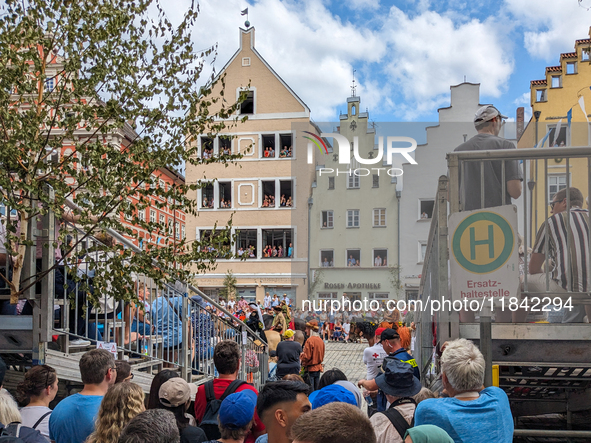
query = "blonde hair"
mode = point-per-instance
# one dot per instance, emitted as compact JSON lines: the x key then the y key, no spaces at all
{"x":121,"y":403}
{"x":9,"y":412}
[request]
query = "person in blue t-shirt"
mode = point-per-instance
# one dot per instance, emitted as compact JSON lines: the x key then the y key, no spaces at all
{"x":167,"y":314}
{"x":72,"y":420}
{"x":390,"y":341}
{"x":472,"y":413}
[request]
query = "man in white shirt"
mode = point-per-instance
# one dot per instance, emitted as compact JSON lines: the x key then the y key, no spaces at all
{"x":231,"y":304}
{"x":267,"y":301}
{"x":373,"y":356}
{"x":377,"y":261}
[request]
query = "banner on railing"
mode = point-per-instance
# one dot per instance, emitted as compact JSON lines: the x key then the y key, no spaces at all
{"x":484,"y":256}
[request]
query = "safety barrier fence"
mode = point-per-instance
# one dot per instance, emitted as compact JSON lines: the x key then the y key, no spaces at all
{"x":173,"y":325}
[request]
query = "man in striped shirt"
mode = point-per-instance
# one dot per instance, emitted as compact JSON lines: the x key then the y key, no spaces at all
{"x":564,"y":252}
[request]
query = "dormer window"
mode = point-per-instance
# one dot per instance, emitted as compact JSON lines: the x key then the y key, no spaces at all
{"x":556,"y":81}
{"x":247,"y":106}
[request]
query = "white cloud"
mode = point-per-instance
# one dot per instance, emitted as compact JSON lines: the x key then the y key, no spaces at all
{"x":550,"y":26}
{"x":430,"y":52}
{"x":405,"y":63}
{"x":316,"y":57}
{"x":523,"y":99}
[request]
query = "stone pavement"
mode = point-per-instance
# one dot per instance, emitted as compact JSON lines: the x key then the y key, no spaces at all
{"x":348,"y":357}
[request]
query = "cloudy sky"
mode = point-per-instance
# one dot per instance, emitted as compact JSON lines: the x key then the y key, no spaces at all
{"x":406,"y":53}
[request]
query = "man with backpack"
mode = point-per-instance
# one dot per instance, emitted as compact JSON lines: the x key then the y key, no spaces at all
{"x":399,"y":385}
{"x":226,"y":358}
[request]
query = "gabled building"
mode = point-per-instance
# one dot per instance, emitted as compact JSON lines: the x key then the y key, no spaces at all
{"x":266,"y":192}
{"x":558,"y":120}
{"x":354,"y":219}
{"x":456,"y":125}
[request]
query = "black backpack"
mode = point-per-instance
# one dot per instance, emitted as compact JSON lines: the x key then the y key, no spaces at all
{"x":209,"y":423}
{"x":16,"y":433}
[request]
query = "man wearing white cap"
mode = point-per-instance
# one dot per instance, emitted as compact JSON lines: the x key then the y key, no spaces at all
{"x":488,"y":121}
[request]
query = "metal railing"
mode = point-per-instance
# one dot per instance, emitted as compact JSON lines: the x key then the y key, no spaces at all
{"x":532,"y":343}
{"x":168,"y":328}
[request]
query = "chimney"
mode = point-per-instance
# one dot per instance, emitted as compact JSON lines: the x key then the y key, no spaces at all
{"x":520,"y":122}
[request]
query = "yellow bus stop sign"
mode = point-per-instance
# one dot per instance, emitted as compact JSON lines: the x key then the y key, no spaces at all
{"x":483,"y":242}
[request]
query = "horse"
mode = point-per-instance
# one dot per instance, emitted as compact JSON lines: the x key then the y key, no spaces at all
{"x":364,"y":329}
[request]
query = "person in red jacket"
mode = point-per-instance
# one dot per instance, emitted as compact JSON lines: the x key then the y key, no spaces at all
{"x":313,"y":354}
{"x":226,"y":358}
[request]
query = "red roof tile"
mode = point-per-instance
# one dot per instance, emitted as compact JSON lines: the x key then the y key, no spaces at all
{"x":554,"y":69}
{"x":568,"y":55}
{"x":585,"y":40}
{"x":539,"y":82}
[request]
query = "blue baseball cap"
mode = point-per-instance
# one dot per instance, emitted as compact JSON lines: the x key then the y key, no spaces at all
{"x":237,"y":410}
{"x":331,"y":394}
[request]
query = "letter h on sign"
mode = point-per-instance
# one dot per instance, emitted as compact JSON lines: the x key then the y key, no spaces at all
{"x":490,"y":241}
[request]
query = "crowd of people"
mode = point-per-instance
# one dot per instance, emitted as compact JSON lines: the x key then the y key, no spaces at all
{"x":313,"y":406}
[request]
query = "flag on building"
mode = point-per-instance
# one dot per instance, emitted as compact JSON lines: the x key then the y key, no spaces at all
{"x":244,"y":12}
{"x":582,"y":105}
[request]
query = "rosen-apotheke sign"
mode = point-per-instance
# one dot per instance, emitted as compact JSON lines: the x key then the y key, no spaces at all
{"x":352,"y":285}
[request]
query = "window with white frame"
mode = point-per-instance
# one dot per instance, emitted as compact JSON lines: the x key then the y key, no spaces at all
{"x":162,"y":184}
{"x":379,"y":218}
{"x":327,"y":219}
{"x":555,"y":184}
{"x":177,"y":231}
{"x":247,"y":104}
{"x":426,"y":209}
{"x":380,"y":257}
{"x":162,"y":219}
{"x":560,"y":138}
{"x":422,"y":251}
{"x":128,"y":211}
{"x":141,"y":214}
{"x":49,"y":84}
{"x":153,"y":182}
{"x":353,"y":218}
{"x":379,"y":295}
{"x":152,"y":216}
{"x":556,"y":81}
{"x":183,"y":232}
{"x":330,"y":182}
{"x":353,"y":257}
{"x":353,"y":181}
{"x":327,"y":258}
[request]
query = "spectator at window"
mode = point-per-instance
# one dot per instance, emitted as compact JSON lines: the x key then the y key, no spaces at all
{"x":280,"y":251}
{"x":424,"y":215}
{"x":283,"y":201}
{"x":274,"y":252}
{"x":325,"y":263}
{"x":351,"y":261}
{"x":289,"y":202}
{"x":377,"y":261}
{"x":290,"y":250}
{"x":267,"y":152}
{"x":252,"y":253}
{"x":289,"y":152}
